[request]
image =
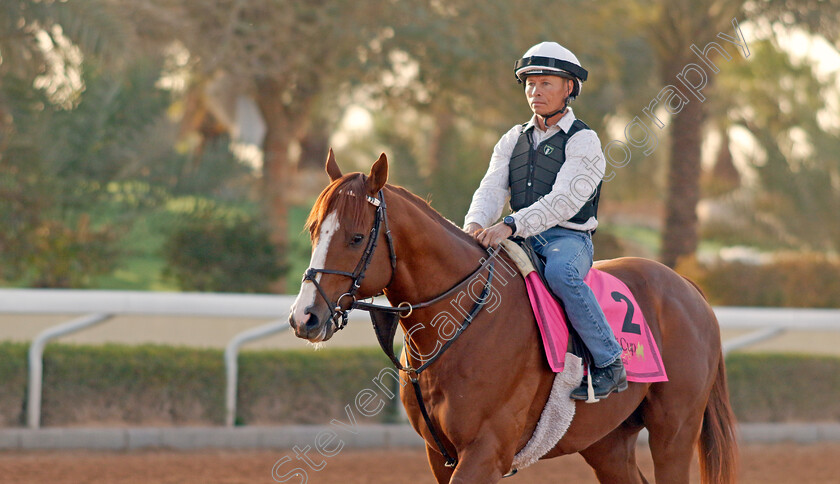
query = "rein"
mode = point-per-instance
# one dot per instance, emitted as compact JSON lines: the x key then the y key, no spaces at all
{"x":385,"y":318}
{"x":385,"y":324}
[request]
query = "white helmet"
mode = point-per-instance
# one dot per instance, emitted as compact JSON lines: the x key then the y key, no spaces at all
{"x":551,"y":59}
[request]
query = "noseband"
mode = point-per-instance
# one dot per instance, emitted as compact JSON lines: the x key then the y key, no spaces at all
{"x":339,"y":315}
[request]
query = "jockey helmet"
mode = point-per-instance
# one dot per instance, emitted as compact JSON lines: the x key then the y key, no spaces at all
{"x":551,"y":59}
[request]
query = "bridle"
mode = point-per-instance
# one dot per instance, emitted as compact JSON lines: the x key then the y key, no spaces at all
{"x":339,"y":315}
{"x":384,"y":318}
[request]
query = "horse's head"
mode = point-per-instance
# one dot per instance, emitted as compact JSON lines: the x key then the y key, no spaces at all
{"x":350,"y":256}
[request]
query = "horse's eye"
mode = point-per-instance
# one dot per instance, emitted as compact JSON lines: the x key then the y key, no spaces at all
{"x":357,"y":239}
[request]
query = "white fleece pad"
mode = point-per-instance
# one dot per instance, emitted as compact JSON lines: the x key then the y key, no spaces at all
{"x":556,"y":416}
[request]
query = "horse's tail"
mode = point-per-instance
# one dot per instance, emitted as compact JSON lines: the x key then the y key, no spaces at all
{"x":718,"y":446}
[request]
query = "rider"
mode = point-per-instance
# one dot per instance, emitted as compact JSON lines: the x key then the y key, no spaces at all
{"x":551,"y":170}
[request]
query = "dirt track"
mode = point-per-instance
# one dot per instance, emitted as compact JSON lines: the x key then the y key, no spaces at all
{"x":765,"y":464}
{"x":217,"y":332}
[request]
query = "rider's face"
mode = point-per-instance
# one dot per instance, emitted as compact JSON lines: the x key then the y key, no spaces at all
{"x":547,"y":94}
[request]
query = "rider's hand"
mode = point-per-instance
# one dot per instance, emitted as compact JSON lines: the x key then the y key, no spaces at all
{"x":493,"y":236}
{"x":472,"y":228}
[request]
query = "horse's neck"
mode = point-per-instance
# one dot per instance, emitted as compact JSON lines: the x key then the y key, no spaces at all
{"x":432,"y":258}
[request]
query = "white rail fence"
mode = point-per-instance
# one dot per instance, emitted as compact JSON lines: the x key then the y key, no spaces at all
{"x":96,"y":307}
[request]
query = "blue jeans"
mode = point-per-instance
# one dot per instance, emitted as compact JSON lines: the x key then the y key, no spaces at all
{"x":568,"y":255}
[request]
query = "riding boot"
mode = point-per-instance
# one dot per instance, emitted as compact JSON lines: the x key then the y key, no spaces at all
{"x":612,"y":378}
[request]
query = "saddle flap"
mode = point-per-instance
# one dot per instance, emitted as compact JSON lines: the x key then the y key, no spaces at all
{"x":527,"y":259}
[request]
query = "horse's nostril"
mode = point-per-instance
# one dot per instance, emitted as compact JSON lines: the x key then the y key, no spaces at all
{"x":312,"y":322}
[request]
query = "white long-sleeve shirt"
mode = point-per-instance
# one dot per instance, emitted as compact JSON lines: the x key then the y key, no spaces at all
{"x":575,"y":183}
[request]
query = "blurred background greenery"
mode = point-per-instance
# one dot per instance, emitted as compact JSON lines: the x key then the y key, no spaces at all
{"x":178,"y":145}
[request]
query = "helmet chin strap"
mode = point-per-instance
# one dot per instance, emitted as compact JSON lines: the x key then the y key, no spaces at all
{"x":555,"y":113}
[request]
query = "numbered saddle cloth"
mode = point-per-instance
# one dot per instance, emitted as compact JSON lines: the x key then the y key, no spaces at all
{"x":640,"y":353}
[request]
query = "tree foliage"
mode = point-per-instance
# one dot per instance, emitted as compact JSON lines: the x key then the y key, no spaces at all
{"x":209,"y":252}
{"x":779,"y":102}
{"x":61,"y":166}
{"x":84,"y":121}
{"x":73,"y":132}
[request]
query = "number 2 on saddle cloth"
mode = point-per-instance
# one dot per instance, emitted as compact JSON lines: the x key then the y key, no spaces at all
{"x":640,"y":352}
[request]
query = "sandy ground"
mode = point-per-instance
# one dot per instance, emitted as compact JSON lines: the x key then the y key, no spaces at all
{"x":217,"y":332}
{"x":177,"y":331}
{"x":765,"y":464}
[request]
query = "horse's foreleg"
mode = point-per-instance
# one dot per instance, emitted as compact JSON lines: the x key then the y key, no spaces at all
{"x":436,"y":461}
{"x":481,"y":463}
{"x":614,"y":457}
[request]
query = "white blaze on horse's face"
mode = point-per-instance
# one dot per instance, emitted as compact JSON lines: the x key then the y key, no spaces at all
{"x":306,"y":297}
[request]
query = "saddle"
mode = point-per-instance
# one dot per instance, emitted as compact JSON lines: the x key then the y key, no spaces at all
{"x":640,"y":352}
{"x":537,"y":262}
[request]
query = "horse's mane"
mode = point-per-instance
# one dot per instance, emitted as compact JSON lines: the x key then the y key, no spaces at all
{"x":346,"y":196}
{"x":434,"y":214}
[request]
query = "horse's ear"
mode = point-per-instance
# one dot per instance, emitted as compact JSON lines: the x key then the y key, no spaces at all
{"x":378,"y":175}
{"x":332,"y":167}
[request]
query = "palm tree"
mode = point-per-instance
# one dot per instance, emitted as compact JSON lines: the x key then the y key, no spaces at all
{"x":673,"y":26}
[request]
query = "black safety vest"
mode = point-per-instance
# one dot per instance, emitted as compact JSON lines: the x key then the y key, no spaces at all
{"x":533,"y":172}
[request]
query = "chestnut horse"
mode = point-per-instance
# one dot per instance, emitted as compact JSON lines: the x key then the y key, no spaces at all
{"x":485,"y":393}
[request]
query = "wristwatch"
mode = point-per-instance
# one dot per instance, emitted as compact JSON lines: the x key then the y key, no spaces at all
{"x":510,"y":222}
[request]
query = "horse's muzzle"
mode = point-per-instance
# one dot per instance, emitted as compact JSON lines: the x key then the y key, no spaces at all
{"x":312,"y":329}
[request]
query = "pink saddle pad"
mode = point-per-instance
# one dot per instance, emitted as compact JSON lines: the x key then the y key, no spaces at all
{"x":640,"y":353}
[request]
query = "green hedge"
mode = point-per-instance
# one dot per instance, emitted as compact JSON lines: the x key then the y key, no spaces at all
{"x":161,"y":385}
{"x":784,"y":387}
{"x":803,"y":280}
{"x":308,"y":386}
{"x":13,"y":374}
{"x":115,"y":383}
